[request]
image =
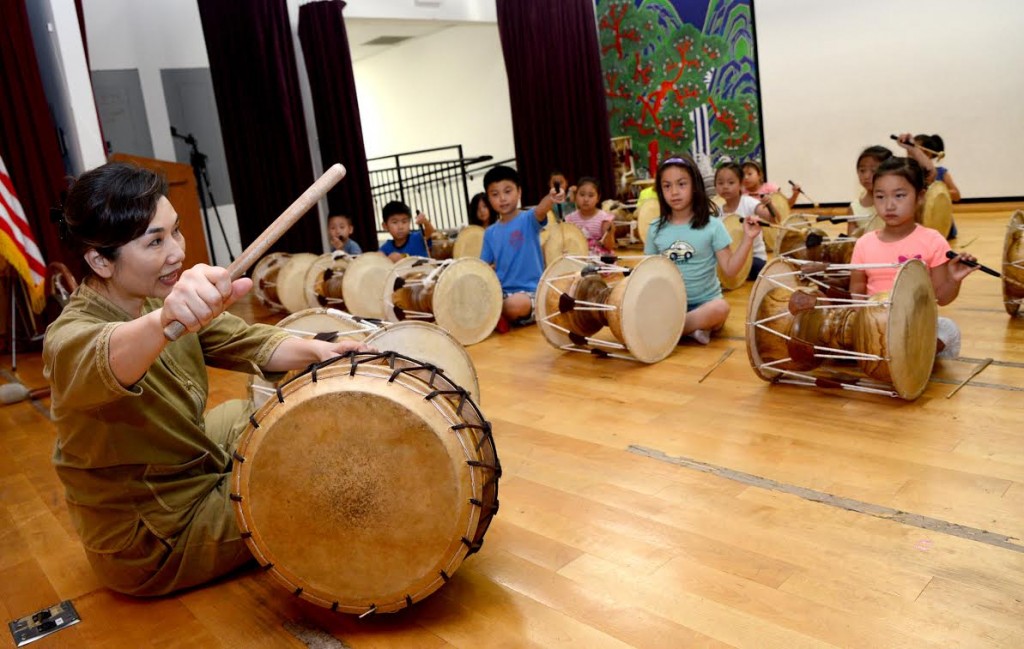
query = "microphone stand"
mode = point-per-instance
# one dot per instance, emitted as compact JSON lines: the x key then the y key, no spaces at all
{"x":198,"y":162}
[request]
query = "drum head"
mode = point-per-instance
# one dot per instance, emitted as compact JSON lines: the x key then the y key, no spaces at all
{"x":776,"y":273}
{"x":938,"y":208}
{"x":564,"y":239}
{"x":264,"y":279}
{"x":364,"y":490}
{"x":556,"y":280}
{"x":431,"y":344}
{"x":468,"y":300}
{"x":734,"y":226}
{"x":363,"y":284}
{"x":909,"y":339}
{"x":469,"y":243}
{"x":874,"y":223}
{"x":323,"y":281}
{"x":307,"y":324}
{"x":291,"y":280}
{"x":1013,"y":263}
{"x":646,"y":213}
{"x":652,"y":311}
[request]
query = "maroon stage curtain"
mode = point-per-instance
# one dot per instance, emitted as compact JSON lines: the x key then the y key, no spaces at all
{"x":559,"y":114}
{"x":28,"y":138}
{"x":332,"y":82}
{"x":255,"y":82}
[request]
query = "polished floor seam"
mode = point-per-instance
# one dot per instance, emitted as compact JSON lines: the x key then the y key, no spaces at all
{"x":849,"y":504}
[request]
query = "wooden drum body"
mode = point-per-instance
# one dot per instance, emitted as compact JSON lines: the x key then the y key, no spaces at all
{"x":734,"y":226}
{"x":801,"y":330}
{"x":367,"y":484}
{"x":1013,"y":264}
{"x":463,"y":296}
{"x":264,"y":279}
{"x":811,"y":243}
{"x":642,"y":302}
{"x":324,"y":281}
{"x":363,"y":283}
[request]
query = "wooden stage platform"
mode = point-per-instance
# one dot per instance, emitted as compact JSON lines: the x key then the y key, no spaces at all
{"x":641,"y":507}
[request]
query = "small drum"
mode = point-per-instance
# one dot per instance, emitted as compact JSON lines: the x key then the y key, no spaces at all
{"x":264,"y":280}
{"x":367,"y":484}
{"x":644,"y":306}
{"x":802,"y":330}
{"x":363,"y":282}
{"x":1013,"y":263}
{"x":442,"y":244}
{"x":734,"y":226}
{"x":323,"y":284}
{"x":469,"y":243}
{"x":559,"y":239}
{"x":870,"y":224}
{"x":778,"y":207}
{"x":291,"y":281}
{"x":325,"y":324}
{"x":463,"y":296}
{"x":647,"y":212}
{"x":938,"y":208}
{"x":431,"y":344}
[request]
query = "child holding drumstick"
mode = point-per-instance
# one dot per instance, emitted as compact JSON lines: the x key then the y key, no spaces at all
{"x":696,"y":243}
{"x":728,"y":183}
{"x":898,"y":192}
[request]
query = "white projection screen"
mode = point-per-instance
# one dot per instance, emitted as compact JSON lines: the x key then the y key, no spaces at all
{"x":840,"y":75}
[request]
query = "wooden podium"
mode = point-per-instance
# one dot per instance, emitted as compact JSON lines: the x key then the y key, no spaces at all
{"x":184,"y":196}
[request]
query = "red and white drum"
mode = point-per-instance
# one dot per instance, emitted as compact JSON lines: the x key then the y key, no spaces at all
{"x":367,"y":484}
{"x":642,"y":300}
{"x":803,"y":328}
{"x":463,"y":296}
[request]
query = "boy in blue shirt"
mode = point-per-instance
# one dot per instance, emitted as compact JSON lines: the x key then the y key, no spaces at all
{"x":339,"y":230}
{"x":512,"y":244}
{"x":405,"y":242}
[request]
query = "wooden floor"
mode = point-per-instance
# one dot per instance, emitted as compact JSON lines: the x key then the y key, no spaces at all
{"x":642,"y":508}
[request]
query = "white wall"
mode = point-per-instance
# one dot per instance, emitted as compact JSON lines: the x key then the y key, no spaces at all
{"x":446,"y":88}
{"x":837,"y":77}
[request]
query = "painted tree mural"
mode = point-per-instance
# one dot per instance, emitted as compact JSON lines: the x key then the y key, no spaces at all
{"x":674,"y":87}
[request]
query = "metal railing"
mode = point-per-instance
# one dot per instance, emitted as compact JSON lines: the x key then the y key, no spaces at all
{"x":433,"y":181}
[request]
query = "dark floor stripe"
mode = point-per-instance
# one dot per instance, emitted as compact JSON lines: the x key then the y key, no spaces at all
{"x":849,"y":504}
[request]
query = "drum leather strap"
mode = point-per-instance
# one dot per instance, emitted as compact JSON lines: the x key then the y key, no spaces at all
{"x":801,"y":301}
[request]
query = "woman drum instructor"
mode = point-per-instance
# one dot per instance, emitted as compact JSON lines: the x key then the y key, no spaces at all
{"x":145,"y":468}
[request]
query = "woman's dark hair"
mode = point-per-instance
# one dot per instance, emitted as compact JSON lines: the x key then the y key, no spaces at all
{"x":879,"y":153}
{"x":111,"y":205}
{"x":933,"y":142}
{"x":702,"y":206}
{"x":906,"y":168}
{"x":753,"y":164}
{"x":474,"y":209}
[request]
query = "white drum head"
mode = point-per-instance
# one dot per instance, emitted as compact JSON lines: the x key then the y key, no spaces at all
{"x":469,"y":243}
{"x":291,"y":279}
{"x":467,"y":300}
{"x":1013,"y":263}
{"x":938,"y":208}
{"x":430,"y":344}
{"x":734,"y":226}
{"x":563,"y":239}
{"x":910,"y":336}
{"x":652,"y":311}
{"x":363,"y":284}
{"x":646,"y":213}
{"x":556,"y":280}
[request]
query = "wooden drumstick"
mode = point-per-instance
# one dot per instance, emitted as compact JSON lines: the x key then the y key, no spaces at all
{"x":977,"y":370}
{"x":938,"y":154}
{"x":768,"y":224}
{"x":985,"y":269}
{"x":274,"y":231}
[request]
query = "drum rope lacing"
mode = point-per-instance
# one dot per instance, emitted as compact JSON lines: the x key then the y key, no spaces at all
{"x":426,"y":282}
{"x":458,"y":398}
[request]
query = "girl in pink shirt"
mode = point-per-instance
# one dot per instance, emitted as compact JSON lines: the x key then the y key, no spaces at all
{"x":898,"y":190}
{"x":595,"y":223}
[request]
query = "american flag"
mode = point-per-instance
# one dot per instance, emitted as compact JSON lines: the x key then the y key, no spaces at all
{"x":16,"y":243}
